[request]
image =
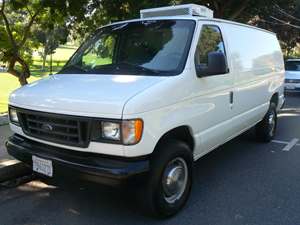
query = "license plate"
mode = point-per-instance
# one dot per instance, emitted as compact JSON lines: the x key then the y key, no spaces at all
{"x":42,"y":166}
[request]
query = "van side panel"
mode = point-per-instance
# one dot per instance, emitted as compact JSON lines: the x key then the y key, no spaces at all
{"x":203,"y":103}
{"x":257,"y":63}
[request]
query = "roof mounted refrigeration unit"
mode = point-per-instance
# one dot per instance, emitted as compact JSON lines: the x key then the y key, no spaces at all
{"x":178,"y":10}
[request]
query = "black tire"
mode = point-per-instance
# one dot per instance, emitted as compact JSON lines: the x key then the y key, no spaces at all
{"x":266,"y":129}
{"x":165,"y":155}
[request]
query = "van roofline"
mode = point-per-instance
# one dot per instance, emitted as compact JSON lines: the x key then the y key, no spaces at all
{"x":194,"y":18}
{"x":154,"y":18}
{"x":237,"y":23}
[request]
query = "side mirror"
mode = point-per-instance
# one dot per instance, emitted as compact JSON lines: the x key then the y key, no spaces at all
{"x":217,"y":65}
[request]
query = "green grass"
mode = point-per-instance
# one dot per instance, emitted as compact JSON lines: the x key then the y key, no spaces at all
{"x":95,"y":60}
{"x":9,"y":83}
{"x":63,"y":53}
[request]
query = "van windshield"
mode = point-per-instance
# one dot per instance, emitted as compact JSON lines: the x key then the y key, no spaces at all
{"x":152,"y":47}
{"x":292,"y":65}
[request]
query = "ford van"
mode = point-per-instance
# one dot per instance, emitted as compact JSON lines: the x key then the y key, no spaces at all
{"x":148,"y":97}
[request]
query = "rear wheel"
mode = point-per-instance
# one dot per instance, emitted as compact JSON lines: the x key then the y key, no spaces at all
{"x":170,"y":179}
{"x":266,"y":129}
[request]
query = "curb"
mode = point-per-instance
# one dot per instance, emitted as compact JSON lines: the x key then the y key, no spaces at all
{"x":13,"y":169}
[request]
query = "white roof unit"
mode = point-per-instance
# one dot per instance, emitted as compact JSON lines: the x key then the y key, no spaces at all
{"x":178,"y":10}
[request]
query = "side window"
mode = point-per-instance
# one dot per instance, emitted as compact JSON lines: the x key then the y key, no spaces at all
{"x":210,"y":41}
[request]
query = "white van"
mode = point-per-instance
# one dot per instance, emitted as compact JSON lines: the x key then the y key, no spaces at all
{"x":292,"y":75}
{"x":147,"y":97}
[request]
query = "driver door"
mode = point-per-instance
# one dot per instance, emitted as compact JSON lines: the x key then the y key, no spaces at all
{"x":215,"y":92}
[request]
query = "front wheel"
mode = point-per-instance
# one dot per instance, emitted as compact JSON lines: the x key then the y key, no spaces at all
{"x":170,"y":179}
{"x":266,"y":129}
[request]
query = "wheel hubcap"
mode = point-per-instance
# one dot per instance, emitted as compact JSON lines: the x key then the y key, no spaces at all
{"x":272,"y":123}
{"x":174,"y":179}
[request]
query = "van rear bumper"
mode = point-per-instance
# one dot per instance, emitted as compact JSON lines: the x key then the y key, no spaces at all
{"x":89,"y":166}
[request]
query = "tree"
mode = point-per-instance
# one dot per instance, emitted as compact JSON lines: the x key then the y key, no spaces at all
{"x":105,"y":11}
{"x":101,"y":12}
{"x":284,"y":21}
{"x":17,"y":18}
{"x":238,"y":10}
{"x":50,"y":38}
{"x":14,"y":43}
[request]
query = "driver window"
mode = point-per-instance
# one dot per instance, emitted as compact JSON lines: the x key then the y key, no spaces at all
{"x":100,"y":53}
{"x":210,"y":41}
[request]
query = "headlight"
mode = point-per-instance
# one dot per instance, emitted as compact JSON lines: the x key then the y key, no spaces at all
{"x":127,"y":132}
{"x":111,"y":131}
{"x":13,"y":116}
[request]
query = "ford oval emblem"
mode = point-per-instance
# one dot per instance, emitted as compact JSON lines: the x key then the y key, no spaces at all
{"x":47,"y":126}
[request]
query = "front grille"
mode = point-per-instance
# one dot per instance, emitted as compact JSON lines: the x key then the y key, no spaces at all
{"x":61,"y":129}
{"x":296,"y":81}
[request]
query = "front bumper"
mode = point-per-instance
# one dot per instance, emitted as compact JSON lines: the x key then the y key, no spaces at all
{"x":292,"y":87}
{"x":89,"y":166}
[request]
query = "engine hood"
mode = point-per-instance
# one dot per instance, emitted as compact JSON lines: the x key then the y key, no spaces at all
{"x":88,"y":95}
{"x":292,"y":75}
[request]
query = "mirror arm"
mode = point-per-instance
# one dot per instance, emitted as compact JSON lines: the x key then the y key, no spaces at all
{"x":201,"y":72}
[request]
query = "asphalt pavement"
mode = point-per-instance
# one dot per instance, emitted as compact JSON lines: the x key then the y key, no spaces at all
{"x":242,"y":182}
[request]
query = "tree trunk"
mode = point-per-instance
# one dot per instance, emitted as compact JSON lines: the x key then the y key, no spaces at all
{"x":21,"y":75}
{"x":44,"y":61}
{"x":51,"y":64}
{"x":22,"y":80}
{"x":288,"y":52}
{"x":45,"y":53}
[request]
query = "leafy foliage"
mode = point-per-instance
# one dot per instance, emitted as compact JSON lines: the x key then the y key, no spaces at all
{"x":17,"y":20}
{"x":50,"y":39}
{"x":209,"y":42}
{"x":284,"y":21}
{"x":28,"y":24}
{"x":255,"y":12}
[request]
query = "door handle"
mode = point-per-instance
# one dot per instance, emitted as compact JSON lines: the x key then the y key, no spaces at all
{"x":231,"y":97}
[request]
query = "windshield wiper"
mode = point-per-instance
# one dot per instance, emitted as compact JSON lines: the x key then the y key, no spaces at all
{"x":71,"y":68}
{"x":138,"y":67}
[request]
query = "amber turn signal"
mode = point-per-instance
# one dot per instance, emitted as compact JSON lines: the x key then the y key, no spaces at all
{"x":132,"y":131}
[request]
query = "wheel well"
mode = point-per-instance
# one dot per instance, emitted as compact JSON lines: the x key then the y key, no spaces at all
{"x":275,"y":99}
{"x":181,"y":133}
